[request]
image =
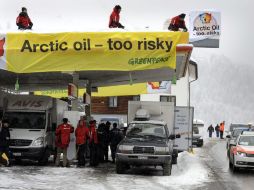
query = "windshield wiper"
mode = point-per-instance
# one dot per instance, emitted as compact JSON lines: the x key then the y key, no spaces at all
{"x":154,"y":137}
{"x":135,"y":136}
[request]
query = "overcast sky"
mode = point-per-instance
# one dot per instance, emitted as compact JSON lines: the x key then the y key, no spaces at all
{"x":84,"y":15}
{"x":54,"y":15}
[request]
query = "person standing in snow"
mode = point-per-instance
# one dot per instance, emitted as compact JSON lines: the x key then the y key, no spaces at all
{"x":217,"y":129}
{"x":177,"y":23}
{"x":23,"y":21}
{"x":222,"y":127}
{"x":82,"y":134}
{"x":63,"y":132}
{"x":115,"y":17}
{"x":210,"y":131}
{"x":4,"y":139}
{"x":93,"y":144}
{"x":115,"y":137}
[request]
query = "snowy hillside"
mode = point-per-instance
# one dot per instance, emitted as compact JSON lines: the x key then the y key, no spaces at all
{"x":224,"y":91}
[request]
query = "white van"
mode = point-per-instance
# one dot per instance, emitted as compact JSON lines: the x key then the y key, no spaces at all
{"x":33,"y":120}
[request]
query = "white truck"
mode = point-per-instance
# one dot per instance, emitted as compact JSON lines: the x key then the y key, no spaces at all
{"x":149,"y":137}
{"x":32,"y":122}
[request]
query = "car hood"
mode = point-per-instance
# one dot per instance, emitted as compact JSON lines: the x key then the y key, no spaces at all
{"x":196,"y":136}
{"x":144,"y":142}
{"x":247,"y":149}
{"x":27,"y":134}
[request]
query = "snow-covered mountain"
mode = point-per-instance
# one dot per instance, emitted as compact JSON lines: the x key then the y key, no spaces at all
{"x":224,"y":90}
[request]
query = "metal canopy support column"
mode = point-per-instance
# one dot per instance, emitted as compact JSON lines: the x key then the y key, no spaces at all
{"x":75,"y":81}
{"x":88,"y":102}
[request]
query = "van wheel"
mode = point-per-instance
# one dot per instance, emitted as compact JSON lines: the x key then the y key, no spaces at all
{"x":45,"y":158}
{"x":167,"y":169}
{"x":120,"y":167}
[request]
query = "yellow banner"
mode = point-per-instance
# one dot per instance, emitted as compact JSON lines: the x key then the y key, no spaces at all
{"x":118,"y":51}
{"x":120,"y":90}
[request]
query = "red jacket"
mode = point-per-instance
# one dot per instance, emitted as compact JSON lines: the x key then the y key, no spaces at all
{"x":178,"y":23}
{"x":23,"y":21}
{"x":114,"y":19}
{"x":93,"y":134}
{"x":63,"y":132}
{"x":81,"y":133}
{"x":222,"y":126}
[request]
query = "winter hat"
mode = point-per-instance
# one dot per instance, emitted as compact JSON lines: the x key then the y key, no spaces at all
{"x":65,"y":120}
{"x":24,"y":9}
{"x":117,"y":7}
{"x":182,"y":15}
{"x":92,"y":122}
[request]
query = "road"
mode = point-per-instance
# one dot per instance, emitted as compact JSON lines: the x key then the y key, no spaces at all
{"x":214,"y":157}
{"x":206,"y":169}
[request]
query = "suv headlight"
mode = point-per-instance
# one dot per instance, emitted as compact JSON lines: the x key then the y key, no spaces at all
{"x":125,"y":149}
{"x":243,"y":154}
{"x":161,"y":150}
{"x":38,"y":142}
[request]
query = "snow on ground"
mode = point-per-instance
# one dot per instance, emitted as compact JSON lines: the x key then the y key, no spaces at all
{"x":189,"y":173}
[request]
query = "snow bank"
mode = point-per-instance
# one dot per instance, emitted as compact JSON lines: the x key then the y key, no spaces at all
{"x":188,"y":173}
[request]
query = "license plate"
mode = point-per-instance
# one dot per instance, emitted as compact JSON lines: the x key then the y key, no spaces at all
{"x":16,"y":154}
{"x":142,"y":157}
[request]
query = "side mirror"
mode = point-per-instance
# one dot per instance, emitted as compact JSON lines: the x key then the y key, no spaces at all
{"x":172,"y":137}
{"x":232,"y":143}
{"x":228,"y":136}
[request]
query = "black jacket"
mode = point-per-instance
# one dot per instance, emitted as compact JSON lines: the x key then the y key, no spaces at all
{"x":4,"y":137}
{"x":115,"y":137}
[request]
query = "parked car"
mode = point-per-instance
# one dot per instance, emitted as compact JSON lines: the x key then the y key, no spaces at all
{"x":242,"y":152}
{"x":197,"y":139}
{"x":237,"y":126}
{"x":232,"y":137}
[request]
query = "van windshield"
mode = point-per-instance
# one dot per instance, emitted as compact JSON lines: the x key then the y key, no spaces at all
{"x":26,"y":120}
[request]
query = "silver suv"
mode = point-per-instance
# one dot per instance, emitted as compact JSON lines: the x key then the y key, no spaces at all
{"x":146,"y":143}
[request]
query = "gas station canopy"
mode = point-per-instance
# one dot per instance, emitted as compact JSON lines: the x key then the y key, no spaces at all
{"x":49,"y":61}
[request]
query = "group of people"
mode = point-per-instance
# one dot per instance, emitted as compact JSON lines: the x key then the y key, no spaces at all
{"x":90,"y":142}
{"x":219,"y":129}
{"x":88,"y":139}
{"x":24,"y":22}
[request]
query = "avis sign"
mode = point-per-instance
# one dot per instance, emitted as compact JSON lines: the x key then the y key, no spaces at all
{"x":205,"y":24}
{"x":27,"y":104}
